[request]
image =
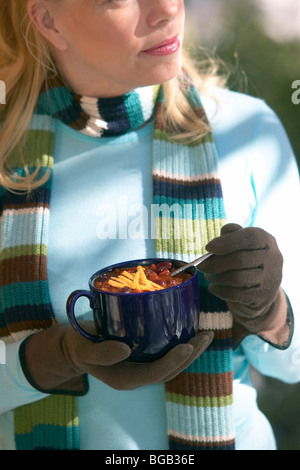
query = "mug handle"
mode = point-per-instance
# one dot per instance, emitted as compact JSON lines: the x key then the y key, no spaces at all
{"x":71,"y":313}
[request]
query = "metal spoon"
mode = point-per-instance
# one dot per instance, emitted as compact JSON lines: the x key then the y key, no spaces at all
{"x":195,"y":263}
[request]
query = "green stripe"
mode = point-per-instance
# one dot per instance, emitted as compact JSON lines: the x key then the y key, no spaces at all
{"x":181,"y":237}
{"x":55,"y":420}
{"x":23,"y":250}
{"x":33,"y":156}
{"x":51,"y":422}
{"x":199,"y":402}
{"x":163,"y":136}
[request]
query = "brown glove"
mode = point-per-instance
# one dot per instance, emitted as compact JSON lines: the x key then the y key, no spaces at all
{"x":246,"y":272}
{"x":57,"y":360}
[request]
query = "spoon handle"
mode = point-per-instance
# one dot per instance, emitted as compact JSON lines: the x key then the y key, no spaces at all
{"x":195,"y":263}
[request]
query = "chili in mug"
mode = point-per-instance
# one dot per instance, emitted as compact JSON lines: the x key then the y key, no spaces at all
{"x":140,"y":279}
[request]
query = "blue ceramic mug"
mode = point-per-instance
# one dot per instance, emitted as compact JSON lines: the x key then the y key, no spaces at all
{"x":151,"y":323}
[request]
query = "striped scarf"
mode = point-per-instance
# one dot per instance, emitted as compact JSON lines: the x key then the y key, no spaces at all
{"x":199,"y":400}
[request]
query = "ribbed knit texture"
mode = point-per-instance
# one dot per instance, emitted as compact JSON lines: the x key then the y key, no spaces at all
{"x":199,"y":400}
{"x":188,"y":199}
{"x":49,"y":424}
{"x":100,"y":117}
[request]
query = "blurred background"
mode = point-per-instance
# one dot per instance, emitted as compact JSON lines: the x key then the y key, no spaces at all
{"x":259,"y":43}
{"x":259,"y":40}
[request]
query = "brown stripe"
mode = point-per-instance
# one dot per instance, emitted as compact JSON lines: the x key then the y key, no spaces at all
{"x":4,"y":332}
{"x":196,"y":182}
{"x":159,"y":119}
{"x":23,"y":269}
{"x":201,"y":114}
{"x":201,"y":385}
{"x":197,"y":444}
{"x":221,"y":334}
{"x":80,"y":123}
{"x":29,"y":325}
{"x":26,"y":205}
{"x":26,"y":325}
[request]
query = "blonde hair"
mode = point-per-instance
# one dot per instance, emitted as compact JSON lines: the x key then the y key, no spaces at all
{"x":25,"y":66}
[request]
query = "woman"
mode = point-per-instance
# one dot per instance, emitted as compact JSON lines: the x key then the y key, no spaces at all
{"x":105,"y":88}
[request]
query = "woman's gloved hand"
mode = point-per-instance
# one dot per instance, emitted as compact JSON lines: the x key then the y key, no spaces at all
{"x":57,"y":360}
{"x":246,"y":272}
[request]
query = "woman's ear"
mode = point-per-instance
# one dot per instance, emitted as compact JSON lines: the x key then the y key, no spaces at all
{"x":43,"y":17}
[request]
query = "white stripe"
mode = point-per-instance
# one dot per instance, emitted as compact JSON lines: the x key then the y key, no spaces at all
{"x":89,"y":105}
{"x":22,"y":224}
{"x":25,"y":210}
{"x":94,"y":127}
{"x":207,"y":422}
{"x":19,"y":335}
{"x":42,"y":123}
{"x":95,"y":124}
{"x":146,"y":101}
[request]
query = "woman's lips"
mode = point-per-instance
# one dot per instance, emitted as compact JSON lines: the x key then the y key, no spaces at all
{"x":167,"y":47}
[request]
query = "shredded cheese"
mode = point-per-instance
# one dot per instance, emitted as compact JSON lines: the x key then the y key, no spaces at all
{"x":137,"y":281}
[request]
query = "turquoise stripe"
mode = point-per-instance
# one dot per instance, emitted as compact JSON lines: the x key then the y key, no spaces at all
{"x":202,"y":281}
{"x":25,"y":293}
{"x":22,"y":226}
{"x":194,"y":97}
{"x":53,"y":101}
{"x":212,"y":362}
{"x":60,"y":437}
{"x":202,"y":209}
{"x":134,"y":109}
{"x":203,"y":422}
{"x":31,"y":169}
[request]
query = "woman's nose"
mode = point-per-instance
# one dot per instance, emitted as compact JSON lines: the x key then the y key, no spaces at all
{"x":164,"y":11}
